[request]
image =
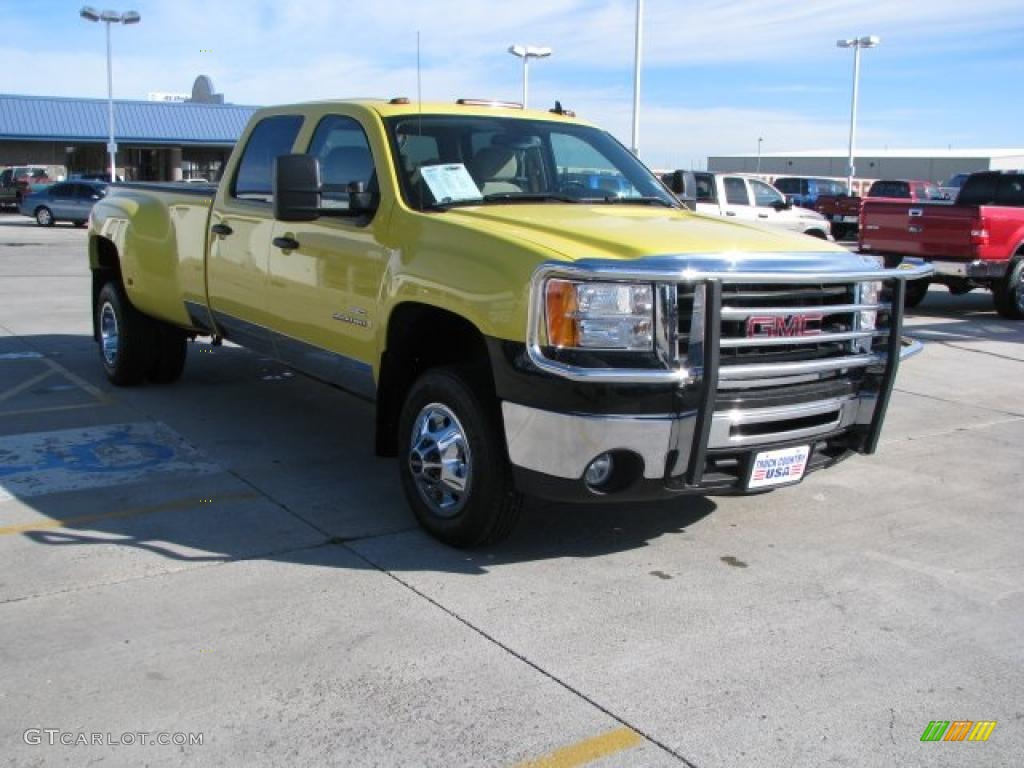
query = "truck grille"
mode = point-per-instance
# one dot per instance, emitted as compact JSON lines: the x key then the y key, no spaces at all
{"x":769,"y":331}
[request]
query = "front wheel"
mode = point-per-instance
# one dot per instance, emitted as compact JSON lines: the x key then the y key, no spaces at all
{"x":452,"y":460}
{"x":44,"y":216}
{"x":1008,"y":293}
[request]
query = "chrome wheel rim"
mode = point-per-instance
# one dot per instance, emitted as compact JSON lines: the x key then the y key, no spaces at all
{"x":43,"y":217}
{"x":440,"y":460}
{"x":108,"y":333}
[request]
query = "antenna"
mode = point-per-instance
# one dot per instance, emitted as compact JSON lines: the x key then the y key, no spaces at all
{"x":419,"y":103}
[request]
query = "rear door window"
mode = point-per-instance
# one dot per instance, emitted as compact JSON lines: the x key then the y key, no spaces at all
{"x":736,"y":191}
{"x":272,"y":136}
{"x":705,"y":188}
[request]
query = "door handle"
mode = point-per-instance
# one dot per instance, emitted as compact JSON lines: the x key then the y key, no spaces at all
{"x":730,"y":213}
{"x":285,"y":243}
{"x":762,"y":215}
{"x":221,"y":230}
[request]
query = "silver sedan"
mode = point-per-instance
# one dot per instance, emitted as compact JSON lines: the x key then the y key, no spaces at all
{"x":65,"y":201}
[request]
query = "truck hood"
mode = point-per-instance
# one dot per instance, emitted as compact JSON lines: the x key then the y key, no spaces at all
{"x":617,"y":231}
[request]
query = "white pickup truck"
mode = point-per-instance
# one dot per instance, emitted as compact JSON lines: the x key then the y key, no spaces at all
{"x":736,"y":195}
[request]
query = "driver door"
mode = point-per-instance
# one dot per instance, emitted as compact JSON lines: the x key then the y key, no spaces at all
{"x":325,"y":275}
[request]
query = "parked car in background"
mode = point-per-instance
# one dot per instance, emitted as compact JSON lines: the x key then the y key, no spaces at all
{"x":66,"y":201}
{"x":805,"y":190}
{"x":742,"y":197}
{"x":844,"y":211}
{"x":978,"y":242}
{"x":18,"y":180}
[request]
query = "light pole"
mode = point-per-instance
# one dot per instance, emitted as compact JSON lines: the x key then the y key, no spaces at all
{"x":637,"y":55}
{"x":868,"y":41}
{"x":110,"y":17}
{"x":527,"y":52}
{"x":759,"y":140}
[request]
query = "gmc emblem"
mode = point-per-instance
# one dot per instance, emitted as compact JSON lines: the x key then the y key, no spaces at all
{"x":771,"y":327}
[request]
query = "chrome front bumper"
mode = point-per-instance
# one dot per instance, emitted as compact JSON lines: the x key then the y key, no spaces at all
{"x":562,"y":444}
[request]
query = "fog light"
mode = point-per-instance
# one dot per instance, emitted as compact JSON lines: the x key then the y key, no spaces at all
{"x":599,"y":470}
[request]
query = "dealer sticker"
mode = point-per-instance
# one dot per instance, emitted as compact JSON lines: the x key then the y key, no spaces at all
{"x":786,"y":465}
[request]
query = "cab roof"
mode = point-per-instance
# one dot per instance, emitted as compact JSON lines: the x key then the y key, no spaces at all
{"x":409,"y":107}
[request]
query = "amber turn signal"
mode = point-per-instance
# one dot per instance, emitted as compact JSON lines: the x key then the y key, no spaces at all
{"x":560,"y":301}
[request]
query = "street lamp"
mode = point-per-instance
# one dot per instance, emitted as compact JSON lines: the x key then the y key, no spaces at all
{"x":110,"y":17}
{"x":527,"y":52}
{"x":868,"y":41}
{"x":759,"y":140}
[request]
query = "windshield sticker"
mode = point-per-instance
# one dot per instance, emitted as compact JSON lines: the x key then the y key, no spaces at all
{"x":450,"y":182}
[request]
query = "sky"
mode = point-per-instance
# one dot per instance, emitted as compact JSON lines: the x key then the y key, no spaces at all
{"x":715,"y":77}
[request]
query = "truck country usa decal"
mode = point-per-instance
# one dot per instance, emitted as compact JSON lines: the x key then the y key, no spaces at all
{"x":778,"y":467}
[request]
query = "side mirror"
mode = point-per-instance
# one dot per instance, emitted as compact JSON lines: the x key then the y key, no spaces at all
{"x":296,"y":188}
{"x":782,"y":205}
{"x":684,"y":185}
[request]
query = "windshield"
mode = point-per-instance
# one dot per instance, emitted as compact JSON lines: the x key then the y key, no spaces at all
{"x":446,"y":160}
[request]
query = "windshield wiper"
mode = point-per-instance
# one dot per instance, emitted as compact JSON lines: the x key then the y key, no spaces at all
{"x":507,"y":197}
{"x":617,"y":199}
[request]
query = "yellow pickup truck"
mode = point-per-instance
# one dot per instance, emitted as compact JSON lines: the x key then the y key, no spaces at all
{"x":531,"y":310}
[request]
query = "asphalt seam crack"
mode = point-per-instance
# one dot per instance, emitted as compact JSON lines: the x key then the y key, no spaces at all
{"x":532,"y":664}
{"x":958,"y":402}
{"x":953,"y":345}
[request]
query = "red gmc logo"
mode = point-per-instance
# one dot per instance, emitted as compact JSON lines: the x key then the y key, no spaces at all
{"x":765,"y":327}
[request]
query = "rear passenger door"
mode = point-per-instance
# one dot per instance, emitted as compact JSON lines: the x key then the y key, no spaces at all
{"x":735,"y":199}
{"x":242,"y":226}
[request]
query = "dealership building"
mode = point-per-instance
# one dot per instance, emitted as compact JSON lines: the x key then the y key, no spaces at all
{"x":925,"y":164}
{"x":169,"y":138}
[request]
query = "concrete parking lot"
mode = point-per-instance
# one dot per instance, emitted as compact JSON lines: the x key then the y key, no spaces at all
{"x":226,"y":557}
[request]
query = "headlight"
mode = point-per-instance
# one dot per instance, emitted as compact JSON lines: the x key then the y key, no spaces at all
{"x":870,"y":293}
{"x":586,"y":315}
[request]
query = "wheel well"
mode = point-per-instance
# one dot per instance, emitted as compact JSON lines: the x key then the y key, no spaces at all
{"x":420,"y":337}
{"x":106,"y":267}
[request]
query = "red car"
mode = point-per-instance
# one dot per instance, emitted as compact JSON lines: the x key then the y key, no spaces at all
{"x":978,"y":242}
{"x":844,"y":211}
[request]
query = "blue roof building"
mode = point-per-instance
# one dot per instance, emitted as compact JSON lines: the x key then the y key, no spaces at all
{"x":157,"y":140}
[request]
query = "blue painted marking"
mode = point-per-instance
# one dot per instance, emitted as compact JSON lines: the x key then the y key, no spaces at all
{"x":48,"y":462}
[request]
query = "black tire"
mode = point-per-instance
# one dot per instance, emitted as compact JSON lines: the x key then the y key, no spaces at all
{"x":127,"y":337}
{"x":44,"y":216}
{"x":1008,"y":293}
{"x":487,"y":510}
{"x":916,"y":292}
{"x":169,"y":353}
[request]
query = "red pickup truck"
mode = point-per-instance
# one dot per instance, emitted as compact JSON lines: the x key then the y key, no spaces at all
{"x":844,"y":211}
{"x":978,"y":242}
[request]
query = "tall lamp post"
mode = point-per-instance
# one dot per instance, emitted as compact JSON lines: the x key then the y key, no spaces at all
{"x":637,"y":55}
{"x":527,"y":52}
{"x":868,"y":41}
{"x":110,"y":17}
{"x":759,"y":140}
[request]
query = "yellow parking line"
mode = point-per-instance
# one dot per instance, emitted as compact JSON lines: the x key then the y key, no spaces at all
{"x":169,"y":506}
{"x":588,"y":750}
{"x":19,"y":388}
